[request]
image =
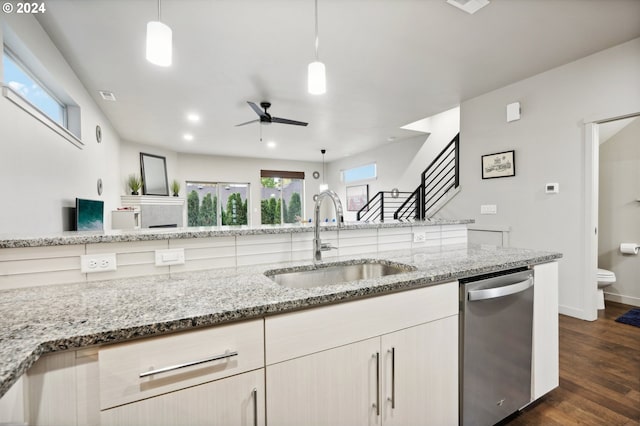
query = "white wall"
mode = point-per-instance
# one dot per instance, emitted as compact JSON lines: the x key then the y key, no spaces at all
{"x":399,"y":164}
{"x":549,"y":147}
{"x":619,"y":211}
{"x":42,"y":171}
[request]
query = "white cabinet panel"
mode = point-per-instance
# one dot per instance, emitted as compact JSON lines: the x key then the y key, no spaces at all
{"x":334,"y":387}
{"x":237,"y":401}
{"x":545,"y":361}
{"x":420,"y":381}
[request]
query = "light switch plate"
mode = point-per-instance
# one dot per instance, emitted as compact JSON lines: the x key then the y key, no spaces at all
{"x":170,"y":257}
{"x":488,"y":209}
{"x":91,"y":263}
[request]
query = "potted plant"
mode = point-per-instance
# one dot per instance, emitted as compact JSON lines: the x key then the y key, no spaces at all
{"x":134,"y":183}
{"x":175,"y":187}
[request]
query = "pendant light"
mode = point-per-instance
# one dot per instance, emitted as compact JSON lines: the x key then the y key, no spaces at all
{"x":159,"y":45}
{"x":323,"y":186}
{"x":317,"y":79}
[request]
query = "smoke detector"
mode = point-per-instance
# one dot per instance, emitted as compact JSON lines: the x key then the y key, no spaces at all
{"x":107,"y":96}
{"x":469,"y":6}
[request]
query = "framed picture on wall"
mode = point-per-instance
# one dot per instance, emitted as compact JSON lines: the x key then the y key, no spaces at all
{"x":153,"y":170}
{"x":357,"y":197}
{"x":500,"y":164}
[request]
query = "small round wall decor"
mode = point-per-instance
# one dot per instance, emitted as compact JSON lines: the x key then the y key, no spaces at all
{"x":98,"y":134}
{"x":316,"y":175}
{"x":99,"y":186}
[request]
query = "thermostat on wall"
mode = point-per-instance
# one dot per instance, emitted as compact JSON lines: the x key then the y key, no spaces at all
{"x":552,"y":188}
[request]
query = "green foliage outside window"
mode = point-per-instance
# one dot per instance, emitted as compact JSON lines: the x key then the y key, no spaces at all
{"x":193,"y":208}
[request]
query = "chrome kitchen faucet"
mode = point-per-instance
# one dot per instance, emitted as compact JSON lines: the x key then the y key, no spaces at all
{"x":318,"y":246}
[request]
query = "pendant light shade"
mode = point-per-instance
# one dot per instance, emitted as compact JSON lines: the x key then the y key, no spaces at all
{"x":159,"y":41}
{"x":317,"y":83}
{"x":159,"y":45}
{"x":317,"y":78}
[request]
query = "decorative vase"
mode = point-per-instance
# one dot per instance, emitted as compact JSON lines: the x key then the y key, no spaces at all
{"x":175,"y":194}
{"x":134,"y":193}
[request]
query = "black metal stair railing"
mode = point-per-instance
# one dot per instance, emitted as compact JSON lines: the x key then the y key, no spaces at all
{"x":436,"y":181}
{"x":441,"y":176}
{"x":382,"y":206}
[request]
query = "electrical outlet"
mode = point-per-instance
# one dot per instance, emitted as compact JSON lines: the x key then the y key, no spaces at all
{"x":419,"y":237}
{"x":170,"y":257}
{"x":90,"y":263}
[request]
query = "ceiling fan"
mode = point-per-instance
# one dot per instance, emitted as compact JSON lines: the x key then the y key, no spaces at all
{"x":266,"y":118}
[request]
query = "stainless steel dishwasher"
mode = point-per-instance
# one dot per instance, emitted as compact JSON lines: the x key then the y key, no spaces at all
{"x":496,"y":327}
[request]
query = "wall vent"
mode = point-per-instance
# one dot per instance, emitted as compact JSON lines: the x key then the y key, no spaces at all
{"x":107,"y":96}
{"x":469,"y":6}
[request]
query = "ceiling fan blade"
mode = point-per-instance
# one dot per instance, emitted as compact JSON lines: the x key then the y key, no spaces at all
{"x":257,"y":109}
{"x":287,"y":121}
{"x":248,"y":122}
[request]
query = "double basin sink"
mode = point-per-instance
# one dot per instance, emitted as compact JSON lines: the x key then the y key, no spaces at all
{"x":327,"y":274}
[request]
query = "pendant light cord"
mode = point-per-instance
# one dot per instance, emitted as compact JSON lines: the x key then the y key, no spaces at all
{"x":159,"y":11}
{"x":317,"y":40}
{"x":323,"y":168}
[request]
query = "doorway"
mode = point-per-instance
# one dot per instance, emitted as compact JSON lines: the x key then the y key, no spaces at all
{"x":591,"y":206}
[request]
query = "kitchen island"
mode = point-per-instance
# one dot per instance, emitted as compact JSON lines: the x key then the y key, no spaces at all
{"x":73,"y":317}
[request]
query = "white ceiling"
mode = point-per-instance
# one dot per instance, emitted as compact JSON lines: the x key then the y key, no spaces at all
{"x":389,"y":63}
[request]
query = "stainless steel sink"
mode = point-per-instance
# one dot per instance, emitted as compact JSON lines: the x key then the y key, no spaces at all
{"x":336,"y":273}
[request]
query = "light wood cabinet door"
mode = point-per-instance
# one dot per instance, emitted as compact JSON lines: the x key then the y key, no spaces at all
{"x":230,"y":401}
{"x":334,"y":387}
{"x":420,"y":374}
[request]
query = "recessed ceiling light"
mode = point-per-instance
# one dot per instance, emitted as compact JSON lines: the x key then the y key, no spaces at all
{"x":271,"y":144}
{"x":187,"y":137}
{"x":193,"y":117}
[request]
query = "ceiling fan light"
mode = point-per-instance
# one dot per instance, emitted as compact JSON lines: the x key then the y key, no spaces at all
{"x":317,"y":83}
{"x":159,"y":45}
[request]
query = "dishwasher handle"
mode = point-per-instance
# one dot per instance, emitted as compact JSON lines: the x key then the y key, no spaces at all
{"x":492,"y":293}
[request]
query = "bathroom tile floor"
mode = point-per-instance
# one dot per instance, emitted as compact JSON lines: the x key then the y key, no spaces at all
{"x":599,"y":375}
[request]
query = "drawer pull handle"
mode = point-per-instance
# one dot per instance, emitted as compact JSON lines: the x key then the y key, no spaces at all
{"x":254,"y":394}
{"x":392,"y":351}
{"x":188,"y":364}
{"x":377,"y":404}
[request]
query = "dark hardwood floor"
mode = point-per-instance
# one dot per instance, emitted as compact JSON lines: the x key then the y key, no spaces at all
{"x":599,"y":375}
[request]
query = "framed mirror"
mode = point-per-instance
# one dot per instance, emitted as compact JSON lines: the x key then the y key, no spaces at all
{"x":153,"y":169}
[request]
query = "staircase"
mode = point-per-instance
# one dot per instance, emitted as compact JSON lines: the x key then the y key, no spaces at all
{"x":439,"y":183}
{"x":381,"y":206}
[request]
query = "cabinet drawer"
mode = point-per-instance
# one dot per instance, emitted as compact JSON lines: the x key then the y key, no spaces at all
{"x":178,"y":360}
{"x":301,"y":333}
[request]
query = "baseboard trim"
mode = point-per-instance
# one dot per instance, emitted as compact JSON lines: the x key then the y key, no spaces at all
{"x":620,"y":298}
{"x":574,"y":312}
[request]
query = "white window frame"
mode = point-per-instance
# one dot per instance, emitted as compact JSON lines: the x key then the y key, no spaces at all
{"x":344,"y":171}
{"x":68,"y":131}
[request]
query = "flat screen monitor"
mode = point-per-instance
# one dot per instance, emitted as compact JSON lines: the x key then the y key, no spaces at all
{"x":89,"y":215}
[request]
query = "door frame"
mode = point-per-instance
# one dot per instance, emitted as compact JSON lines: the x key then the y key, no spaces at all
{"x":590,"y":226}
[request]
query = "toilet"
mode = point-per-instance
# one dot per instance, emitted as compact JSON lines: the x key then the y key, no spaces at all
{"x":605,"y":279}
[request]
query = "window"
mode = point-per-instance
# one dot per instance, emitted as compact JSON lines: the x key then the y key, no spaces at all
{"x":215,"y":204}
{"x":282,"y":196}
{"x":366,"y":172}
{"x":24,"y":83}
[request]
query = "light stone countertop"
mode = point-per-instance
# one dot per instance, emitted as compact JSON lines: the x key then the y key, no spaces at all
{"x":45,"y":319}
{"x":114,"y":236}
